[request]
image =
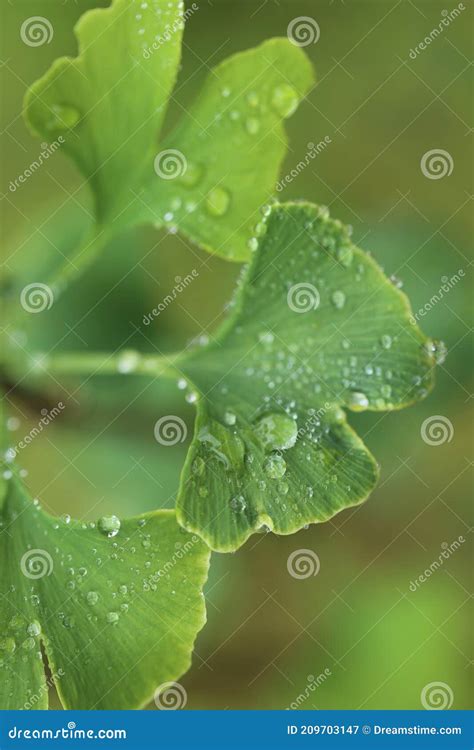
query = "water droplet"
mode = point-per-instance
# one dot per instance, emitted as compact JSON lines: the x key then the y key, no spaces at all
{"x":28,"y":644}
{"x":252,"y":125}
{"x":238,"y":504}
{"x":198,"y":466}
{"x":217,"y":201}
{"x":109,"y":525}
{"x":203,"y":491}
{"x":252,"y":99}
{"x":34,"y":628}
{"x":127,"y":361}
{"x":386,"y":341}
{"x":230,"y":418}
{"x":275,"y":466}
{"x":277,"y":431}
{"x":112,"y":617}
{"x":92,"y":597}
{"x":284,"y":100}
{"x":386,"y":390}
{"x":357,"y":401}
{"x":338,"y":299}
{"x":252,"y":244}
{"x":437,"y":349}
{"x":8,"y":645}
{"x":345,"y":255}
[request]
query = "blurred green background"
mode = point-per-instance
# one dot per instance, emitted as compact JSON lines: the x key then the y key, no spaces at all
{"x":268,"y":633}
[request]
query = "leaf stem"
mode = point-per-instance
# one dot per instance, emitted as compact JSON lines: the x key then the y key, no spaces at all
{"x":125,"y":362}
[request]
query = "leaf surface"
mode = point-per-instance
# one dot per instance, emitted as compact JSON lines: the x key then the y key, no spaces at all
{"x":210,"y":176}
{"x":116,"y":615}
{"x":316,"y":329}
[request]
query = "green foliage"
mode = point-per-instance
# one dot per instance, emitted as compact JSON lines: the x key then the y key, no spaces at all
{"x":116,"y":606}
{"x":316,"y":327}
{"x":202,"y":177}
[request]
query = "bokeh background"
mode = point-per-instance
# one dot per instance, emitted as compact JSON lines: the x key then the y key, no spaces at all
{"x":357,"y":622}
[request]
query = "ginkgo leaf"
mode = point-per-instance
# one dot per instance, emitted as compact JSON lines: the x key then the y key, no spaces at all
{"x":116,"y":606}
{"x":108,"y":104}
{"x":317,"y":328}
{"x":210,"y":175}
{"x":234,"y":142}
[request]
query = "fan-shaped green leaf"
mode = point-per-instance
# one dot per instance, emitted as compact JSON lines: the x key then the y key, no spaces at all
{"x":316,"y":327}
{"x":116,"y":607}
{"x":211,"y":175}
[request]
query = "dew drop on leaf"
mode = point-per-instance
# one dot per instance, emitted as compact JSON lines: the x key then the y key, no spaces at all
{"x":128,"y":361}
{"x":8,"y":645}
{"x":285,"y":100}
{"x":198,"y":466}
{"x":252,"y":125}
{"x":276,"y":431}
{"x":358,"y":401}
{"x":252,"y":99}
{"x":338,"y":299}
{"x":34,"y":628}
{"x":217,"y":201}
{"x":275,"y":466}
{"x":238,"y":504}
{"x":109,"y":525}
{"x":252,"y":244}
{"x":437,"y":349}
